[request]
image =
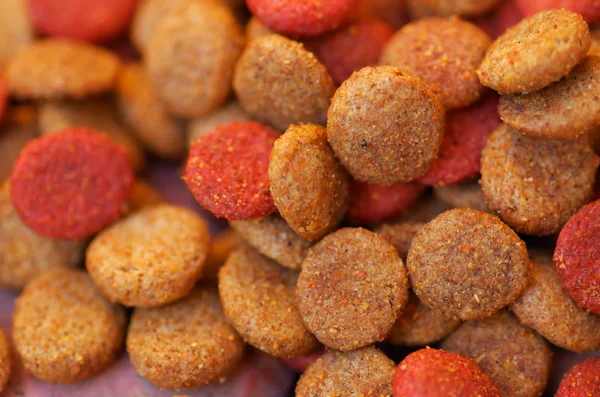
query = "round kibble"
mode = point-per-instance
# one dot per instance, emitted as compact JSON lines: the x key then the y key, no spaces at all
{"x":226,"y":114}
{"x":467,"y":264}
{"x":444,"y":53}
{"x":64,"y":330}
{"x":379,"y":138}
{"x":184,"y":345}
{"x":259,"y":298}
{"x":363,"y":372}
{"x":400,"y":235}
{"x":534,"y":184}
{"x":589,"y":9}
{"x":16,"y":31}
{"x":536,"y":52}
{"x":272,"y":237}
{"x":278,"y":81}
{"x":6,"y":360}
{"x":516,"y":359}
{"x":582,"y":380}
{"x":303,"y":165}
{"x":70,"y":184}
{"x":463,"y":195}
{"x":61,"y":68}
{"x":546,"y":307}
{"x":147,"y":15}
{"x":566,"y":109}
{"x":191,"y":56}
{"x":351,"y":289}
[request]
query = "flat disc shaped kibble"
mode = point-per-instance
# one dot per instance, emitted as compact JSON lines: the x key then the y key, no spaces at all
{"x":151,"y":258}
{"x":64,"y":330}
{"x":444,"y":53}
{"x":227,"y":113}
{"x":147,"y":15}
{"x":227,"y":170}
{"x":516,"y":359}
{"x":582,"y":380}
{"x":577,"y":257}
{"x":535,"y":184}
{"x":351,"y":289}
{"x":385,"y":125}
{"x":258,"y":296}
{"x":400,"y":235}
{"x":71,"y":184}
{"x":309,"y":186}
{"x":185,"y":345}
{"x":566,"y":109}
{"x":363,"y":372}
{"x":467,"y":264}
{"x":589,"y":9}
{"x":280,"y":82}
{"x":536,"y":52}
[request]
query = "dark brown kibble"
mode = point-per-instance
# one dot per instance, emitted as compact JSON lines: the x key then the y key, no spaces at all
{"x":400,"y":235}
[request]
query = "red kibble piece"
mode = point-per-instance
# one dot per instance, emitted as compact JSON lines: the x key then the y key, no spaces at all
{"x":302,"y":18}
{"x":227,"y":170}
{"x":70,"y":184}
{"x":91,"y":20}
{"x":582,"y":380}
{"x":589,"y":9}
{"x":370,"y":204}
{"x":577,"y":257}
{"x":299,"y":364}
{"x":466,"y":133}
{"x":436,"y":373}
{"x":351,"y":47}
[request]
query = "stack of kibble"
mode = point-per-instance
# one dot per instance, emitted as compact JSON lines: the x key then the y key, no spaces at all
{"x":417,"y":173}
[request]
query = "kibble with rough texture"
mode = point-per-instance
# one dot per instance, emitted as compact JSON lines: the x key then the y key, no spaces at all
{"x":147,"y":15}
{"x":6,"y":360}
{"x":582,"y":380}
{"x":589,"y":9}
{"x":227,"y":113}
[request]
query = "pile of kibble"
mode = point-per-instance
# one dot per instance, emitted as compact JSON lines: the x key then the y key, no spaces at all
{"x":394,"y":173}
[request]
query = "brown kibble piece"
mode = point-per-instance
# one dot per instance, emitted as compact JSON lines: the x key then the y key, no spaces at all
{"x":150,"y":258}
{"x":18,"y":127}
{"x":147,"y":15}
{"x":535,"y":185}
{"x":351,"y":289}
{"x":6,"y":360}
{"x":467,"y":264}
{"x":162,"y":134}
{"x":425,"y":209}
{"x":468,"y":8}
{"x":363,"y":372}
{"x":444,"y":53}
{"x":303,"y":165}
{"x":220,"y":248}
{"x":98,"y":114}
{"x":379,"y":138}
{"x":566,"y":109}
{"x":280,"y":82}
{"x":24,"y":254}
{"x":400,"y":235}
{"x":259,"y":298}
{"x":255,"y":28}
{"x":272,"y":237}
{"x":64,"y":330}
{"x":536,"y":52}
{"x":546,"y":307}
{"x":58,"y":68}
{"x":191,"y":56}
{"x":463,"y":195}
{"x":142,"y":195}
{"x":184,"y":345}
{"x":16,"y":31}
{"x":516,"y":359}
{"x":200,"y":126}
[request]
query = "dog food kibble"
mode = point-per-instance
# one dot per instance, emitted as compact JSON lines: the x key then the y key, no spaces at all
{"x":436,"y":373}
{"x":582,"y":380}
{"x":563,"y":110}
{"x":142,"y":195}
{"x":372,"y":204}
{"x":463,"y":195}
{"x":303,"y":165}
{"x":278,"y":81}
{"x":191,"y":56}
{"x":444,"y":53}
{"x":351,"y":47}
{"x":70,"y":184}
{"x":302,"y":18}
{"x":469,"y":8}
{"x":377,"y":136}
{"x":239,"y":191}
{"x":255,"y":28}
{"x":64,"y":330}
{"x":362,"y":372}
{"x":152,"y":257}
{"x":400,"y":235}
{"x":147,"y":116}
{"x":392,"y":12}
{"x":200,"y":126}
{"x":6,"y":360}
{"x":516,"y":359}
{"x":533,"y":184}
{"x":16,"y":31}
{"x":351,"y":289}
{"x":184,"y":345}
{"x":258,"y":296}
{"x":589,"y":9}
{"x":218,"y":252}
{"x":18,"y":127}
{"x":577,"y":257}
{"x":147,"y":15}
{"x":300,"y":364}
{"x":546,"y":307}
{"x":466,"y":133}
{"x":275,"y":239}
{"x":467,"y":264}
{"x":536,"y":52}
